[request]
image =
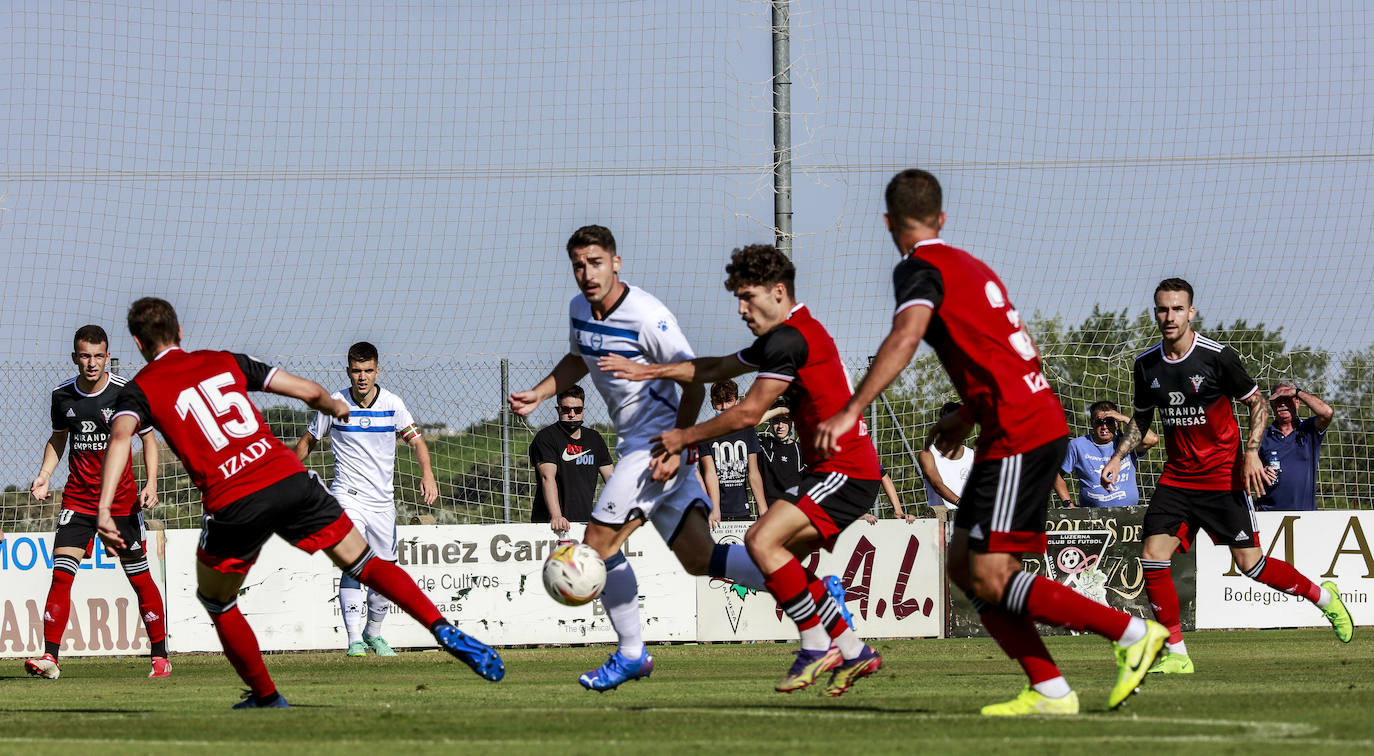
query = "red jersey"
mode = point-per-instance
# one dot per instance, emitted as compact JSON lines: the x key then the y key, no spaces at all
{"x":801,"y":352}
{"x":980,"y":339}
{"x":86,"y":420}
{"x":1193,"y":395}
{"x":199,"y":401}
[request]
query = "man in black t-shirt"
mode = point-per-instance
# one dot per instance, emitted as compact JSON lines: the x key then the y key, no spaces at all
{"x":567,"y":458}
{"x":730,"y":464}
{"x":781,"y":461}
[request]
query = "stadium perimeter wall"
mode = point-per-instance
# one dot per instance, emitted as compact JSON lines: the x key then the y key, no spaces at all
{"x":486,"y":577}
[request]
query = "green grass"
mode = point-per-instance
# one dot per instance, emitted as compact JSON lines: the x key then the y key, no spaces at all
{"x":1289,"y":691}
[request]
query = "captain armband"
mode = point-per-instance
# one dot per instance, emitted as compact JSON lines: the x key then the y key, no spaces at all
{"x":409,"y":432}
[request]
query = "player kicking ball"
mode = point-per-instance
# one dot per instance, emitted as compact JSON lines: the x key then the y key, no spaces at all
{"x":793,"y":353}
{"x":960,"y":307}
{"x":252,"y":486}
{"x":611,"y":317}
{"x":364,"y":472}
{"x":81,"y":412}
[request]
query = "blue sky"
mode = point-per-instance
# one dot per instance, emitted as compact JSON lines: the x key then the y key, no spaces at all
{"x":296,"y":176}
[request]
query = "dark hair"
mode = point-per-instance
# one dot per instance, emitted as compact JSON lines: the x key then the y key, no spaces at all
{"x":154,"y":323}
{"x":575,"y":391}
{"x":949,"y":407}
{"x":1099,"y":406}
{"x":1176,"y":284}
{"x":914,"y":195}
{"x":724,"y":391}
{"x":589,"y":235}
{"x":91,"y":334}
{"x":760,"y":265}
{"x":362,"y":352}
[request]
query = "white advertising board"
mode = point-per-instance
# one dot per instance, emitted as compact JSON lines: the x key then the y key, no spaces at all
{"x":891,"y":570}
{"x":1325,"y":545}
{"x":486,"y":578}
{"x":104,"y":617}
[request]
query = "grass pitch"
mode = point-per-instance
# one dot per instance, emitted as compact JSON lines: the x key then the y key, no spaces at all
{"x":1272,"y":691}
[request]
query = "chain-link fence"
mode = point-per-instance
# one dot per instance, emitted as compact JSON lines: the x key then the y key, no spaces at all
{"x":480,"y":456}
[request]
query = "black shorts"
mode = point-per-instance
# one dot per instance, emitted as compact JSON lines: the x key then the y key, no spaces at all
{"x":298,"y":508}
{"x":79,"y":530}
{"x":1004,"y":500}
{"x":832,"y":500}
{"x":1227,"y":516}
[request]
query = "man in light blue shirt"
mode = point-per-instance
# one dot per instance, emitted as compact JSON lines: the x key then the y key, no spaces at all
{"x":1089,"y":453}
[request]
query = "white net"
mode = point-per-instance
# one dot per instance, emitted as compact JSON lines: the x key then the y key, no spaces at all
{"x":295,"y":177}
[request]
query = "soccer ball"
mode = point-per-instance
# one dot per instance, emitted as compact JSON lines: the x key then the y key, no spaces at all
{"x":574,"y":574}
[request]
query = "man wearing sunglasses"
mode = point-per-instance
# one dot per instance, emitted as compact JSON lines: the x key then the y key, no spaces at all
{"x":567,"y":458}
{"x":1088,"y":454}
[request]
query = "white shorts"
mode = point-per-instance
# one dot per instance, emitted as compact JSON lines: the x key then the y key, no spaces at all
{"x":632,"y":494}
{"x":378,"y":526}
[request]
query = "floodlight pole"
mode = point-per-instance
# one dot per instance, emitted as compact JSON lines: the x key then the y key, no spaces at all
{"x":782,"y":127}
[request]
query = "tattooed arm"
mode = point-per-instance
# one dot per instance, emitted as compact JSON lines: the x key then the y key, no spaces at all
{"x":1130,"y":439}
{"x":1254,"y":468}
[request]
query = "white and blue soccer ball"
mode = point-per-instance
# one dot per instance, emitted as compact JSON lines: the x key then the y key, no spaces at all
{"x":574,"y":574}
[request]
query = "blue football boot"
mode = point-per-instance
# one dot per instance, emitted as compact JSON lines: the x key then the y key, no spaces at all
{"x":617,"y":670}
{"x":482,"y":658}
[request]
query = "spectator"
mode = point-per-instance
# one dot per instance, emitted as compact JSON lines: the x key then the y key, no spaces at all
{"x":890,"y":490}
{"x":566,"y":458}
{"x":730,"y":464}
{"x":1290,"y":449}
{"x":1089,"y":453}
{"x":945,"y":466}
{"x":781,"y":461}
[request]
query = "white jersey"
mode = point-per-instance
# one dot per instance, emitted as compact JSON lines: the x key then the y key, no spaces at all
{"x":953,"y":473}
{"x":365,"y":447}
{"x":641,"y":328}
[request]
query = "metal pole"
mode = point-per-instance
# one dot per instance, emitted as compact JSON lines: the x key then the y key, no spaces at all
{"x":873,"y":431}
{"x":782,"y":127}
{"x":505,"y":438}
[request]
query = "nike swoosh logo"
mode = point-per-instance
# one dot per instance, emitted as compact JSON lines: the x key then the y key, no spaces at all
{"x":570,"y":457}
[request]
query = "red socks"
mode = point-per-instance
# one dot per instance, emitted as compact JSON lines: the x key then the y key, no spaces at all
{"x":59,"y":604}
{"x":1054,"y":604}
{"x":241,"y":646}
{"x":1281,"y":576}
{"x":1020,"y":640}
{"x":393,"y":582}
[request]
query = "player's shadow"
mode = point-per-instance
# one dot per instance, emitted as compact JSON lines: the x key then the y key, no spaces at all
{"x":820,"y":707}
{"x":65,"y":710}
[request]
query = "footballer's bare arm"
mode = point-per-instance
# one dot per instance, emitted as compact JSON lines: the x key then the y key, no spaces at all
{"x":317,"y":397}
{"x":568,"y":371}
{"x":699,"y":370}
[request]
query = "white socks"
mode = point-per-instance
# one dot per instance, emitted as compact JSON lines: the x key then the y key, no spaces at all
{"x":351,"y":601}
{"x":1135,"y":630}
{"x":377,"y":608}
{"x":621,"y":600}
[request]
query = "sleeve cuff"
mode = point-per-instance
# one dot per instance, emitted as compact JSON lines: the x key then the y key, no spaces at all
{"x":914,"y":303}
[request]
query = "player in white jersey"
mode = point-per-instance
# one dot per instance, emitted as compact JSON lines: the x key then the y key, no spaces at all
{"x":364,"y":467}
{"x":612,"y":317}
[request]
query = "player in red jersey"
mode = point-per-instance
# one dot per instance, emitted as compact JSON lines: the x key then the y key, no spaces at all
{"x":1192,"y":380}
{"x":793,"y":354}
{"x":252,"y":486}
{"x":81,"y":411}
{"x":960,"y":307}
